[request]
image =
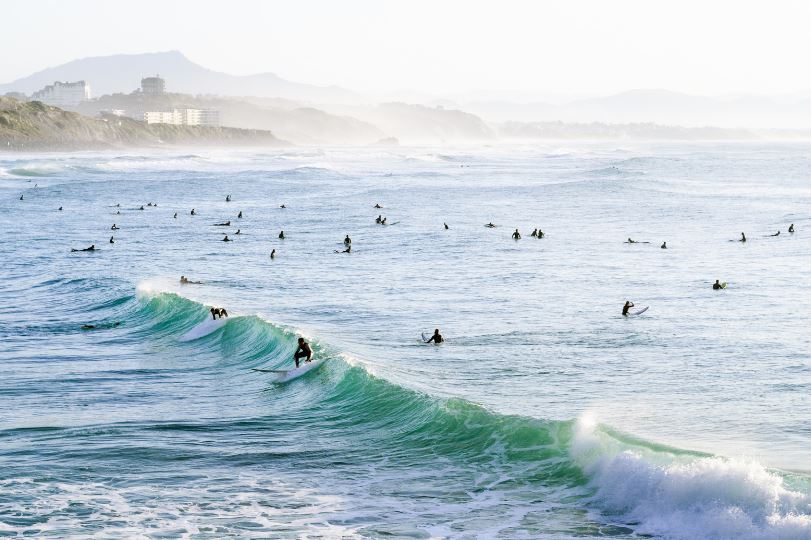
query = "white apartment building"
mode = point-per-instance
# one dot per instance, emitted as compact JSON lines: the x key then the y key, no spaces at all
{"x":184,"y":117}
{"x":63,"y":94}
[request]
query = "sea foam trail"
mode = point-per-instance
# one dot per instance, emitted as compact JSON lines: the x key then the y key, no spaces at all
{"x":687,"y":496}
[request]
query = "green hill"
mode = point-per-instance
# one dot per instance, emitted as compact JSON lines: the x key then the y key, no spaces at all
{"x":36,"y":126}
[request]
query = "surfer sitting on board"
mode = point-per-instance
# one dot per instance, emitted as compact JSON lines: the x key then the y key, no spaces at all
{"x":303,"y":351}
{"x":717,"y":286}
{"x":516,"y":235}
{"x":628,"y":305}
{"x":436,"y":338}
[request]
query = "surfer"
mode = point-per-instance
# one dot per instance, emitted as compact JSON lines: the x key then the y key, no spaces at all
{"x":664,"y":245}
{"x":790,"y":227}
{"x":436,"y":338}
{"x":91,"y":248}
{"x":273,"y":254}
{"x":60,"y":209}
{"x":534,"y":233}
{"x":384,"y":221}
{"x":175,"y":216}
{"x":303,"y":351}
{"x":114,"y":227}
{"x":378,"y":205}
{"x":717,"y":286}
{"x":223,"y":313}
{"x":540,"y":233}
{"x":516,"y":235}
{"x":775,"y":234}
{"x":239,"y":231}
{"x":347,"y":241}
{"x":214,"y":312}
{"x":743,"y":238}
{"x":631,"y":241}
{"x":226,"y":239}
{"x":628,"y":305}
{"x":282,"y":206}
{"x":379,"y":219}
{"x":186,"y":281}
{"x":21,"y":197}
{"x":223,"y":224}
{"x":281,"y":235}
{"x":227,"y":198}
{"x":446,"y":226}
{"x":490,"y":225}
{"x":239,"y":216}
{"x":111,"y":240}
{"x":142,"y":207}
{"x":193,"y":212}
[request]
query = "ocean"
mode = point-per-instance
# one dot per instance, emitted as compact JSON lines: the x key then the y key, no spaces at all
{"x":545,"y":414}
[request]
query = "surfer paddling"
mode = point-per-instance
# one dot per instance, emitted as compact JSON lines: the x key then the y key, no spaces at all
{"x":186,"y":281}
{"x":303,"y":351}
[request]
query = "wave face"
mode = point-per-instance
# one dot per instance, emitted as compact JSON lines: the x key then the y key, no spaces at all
{"x":545,"y":415}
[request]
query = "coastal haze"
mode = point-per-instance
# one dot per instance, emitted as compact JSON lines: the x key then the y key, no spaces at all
{"x":509,"y":173}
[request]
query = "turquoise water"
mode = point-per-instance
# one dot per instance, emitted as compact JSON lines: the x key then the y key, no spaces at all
{"x":546,"y":414}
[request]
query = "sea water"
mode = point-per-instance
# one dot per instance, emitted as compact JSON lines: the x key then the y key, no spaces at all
{"x":545,"y":414}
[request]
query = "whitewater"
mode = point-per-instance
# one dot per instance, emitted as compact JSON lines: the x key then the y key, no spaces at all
{"x":545,"y":414}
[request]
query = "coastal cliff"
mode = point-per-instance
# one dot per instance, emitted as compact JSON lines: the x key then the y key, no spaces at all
{"x":36,"y":126}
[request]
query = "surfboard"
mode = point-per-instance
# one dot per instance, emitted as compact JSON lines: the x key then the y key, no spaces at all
{"x":724,"y":285}
{"x":203,"y":329}
{"x":293,"y":374}
{"x":640,"y":311}
{"x":424,"y":339}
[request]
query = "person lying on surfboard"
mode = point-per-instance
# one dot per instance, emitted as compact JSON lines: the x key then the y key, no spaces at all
{"x":303,"y":351}
{"x":436,"y":338}
{"x":628,"y":305}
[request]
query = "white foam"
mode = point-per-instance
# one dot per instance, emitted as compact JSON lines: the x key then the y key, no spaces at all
{"x":689,"y":497}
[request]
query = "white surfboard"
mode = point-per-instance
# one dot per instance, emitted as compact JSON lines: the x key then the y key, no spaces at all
{"x":424,"y":339}
{"x":640,"y":311}
{"x":203,"y":329}
{"x":303,"y":369}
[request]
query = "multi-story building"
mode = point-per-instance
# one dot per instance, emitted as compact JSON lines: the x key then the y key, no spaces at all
{"x":63,"y":94}
{"x":153,"y":85}
{"x":184,"y":117}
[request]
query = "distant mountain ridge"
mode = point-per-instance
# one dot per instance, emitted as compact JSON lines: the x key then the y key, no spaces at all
{"x":122,"y":73}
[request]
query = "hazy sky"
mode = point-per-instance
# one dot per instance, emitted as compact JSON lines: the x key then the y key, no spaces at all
{"x":579,"y":46}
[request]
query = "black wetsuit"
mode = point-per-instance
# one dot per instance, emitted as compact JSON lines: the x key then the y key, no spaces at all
{"x":303,"y":351}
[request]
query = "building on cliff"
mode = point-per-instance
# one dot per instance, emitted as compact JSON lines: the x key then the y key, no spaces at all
{"x":153,"y":86}
{"x":63,"y":94}
{"x":184,"y":117}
